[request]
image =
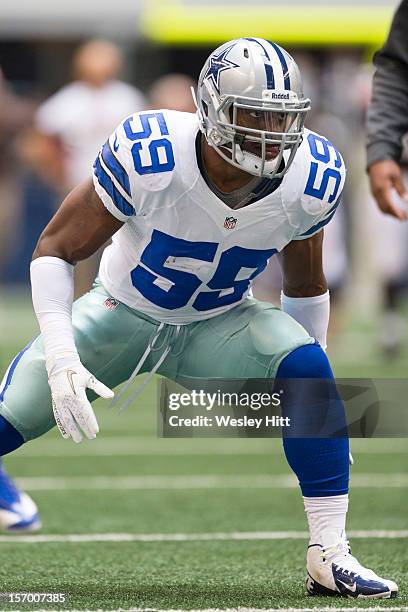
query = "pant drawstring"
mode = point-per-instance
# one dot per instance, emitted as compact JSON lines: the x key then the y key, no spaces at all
{"x":150,"y":348}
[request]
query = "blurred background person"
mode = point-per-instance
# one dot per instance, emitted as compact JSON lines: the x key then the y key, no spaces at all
{"x":173,"y":91}
{"x":16,"y":113}
{"x":390,"y":259}
{"x":79,"y":117}
{"x":388,"y":237}
{"x":387,"y":118}
{"x":73,"y":124}
{"x":387,"y":164}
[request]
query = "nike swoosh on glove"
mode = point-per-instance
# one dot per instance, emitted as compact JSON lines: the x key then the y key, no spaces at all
{"x":72,"y":409}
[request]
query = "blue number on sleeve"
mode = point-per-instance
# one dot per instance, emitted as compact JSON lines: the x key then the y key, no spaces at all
{"x":145,"y":120}
{"x":230,"y":264}
{"x":316,"y":190}
{"x":154,"y":147}
{"x":183,"y":284}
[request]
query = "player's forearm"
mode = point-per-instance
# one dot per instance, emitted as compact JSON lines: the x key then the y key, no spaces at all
{"x":305,"y":295}
{"x":311,"y":312}
{"x":387,"y":119}
{"x":52,"y":282}
{"x":305,"y":288}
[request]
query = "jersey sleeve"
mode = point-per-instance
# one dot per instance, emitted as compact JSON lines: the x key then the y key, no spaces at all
{"x":136,"y":160}
{"x":324,"y":177}
{"x":112,"y":176}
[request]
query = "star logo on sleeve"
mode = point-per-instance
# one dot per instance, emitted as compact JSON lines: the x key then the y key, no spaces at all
{"x":217,"y":64}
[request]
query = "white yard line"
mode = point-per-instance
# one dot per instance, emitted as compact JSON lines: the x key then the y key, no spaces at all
{"x":134,"y":445}
{"x":190,"y":537}
{"x":203,"y":481}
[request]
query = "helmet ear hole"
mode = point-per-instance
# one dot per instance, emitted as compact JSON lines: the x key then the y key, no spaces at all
{"x":205,"y":108}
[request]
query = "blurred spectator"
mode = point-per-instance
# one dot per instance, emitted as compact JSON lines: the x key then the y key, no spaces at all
{"x":384,"y":249}
{"x":81,"y":115}
{"x":73,"y":124}
{"x":173,"y":91}
{"x":16,"y":113}
{"x":387,"y":119}
{"x":390,"y":258}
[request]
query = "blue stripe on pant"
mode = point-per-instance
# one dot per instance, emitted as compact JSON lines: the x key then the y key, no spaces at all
{"x":11,"y":370}
{"x":10,"y":438}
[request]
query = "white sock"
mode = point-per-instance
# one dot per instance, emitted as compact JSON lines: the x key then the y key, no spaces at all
{"x":326,"y":517}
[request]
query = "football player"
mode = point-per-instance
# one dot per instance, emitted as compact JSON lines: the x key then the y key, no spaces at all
{"x":196,"y":205}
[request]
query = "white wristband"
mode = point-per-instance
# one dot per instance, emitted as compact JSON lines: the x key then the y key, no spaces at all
{"x":52,"y":284}
{"x":311,"y":312}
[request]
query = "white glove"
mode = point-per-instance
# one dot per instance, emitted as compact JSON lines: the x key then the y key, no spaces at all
{"x":71,"y":407}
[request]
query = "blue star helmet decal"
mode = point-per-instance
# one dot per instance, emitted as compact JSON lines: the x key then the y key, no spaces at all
{"x":218,"y":63}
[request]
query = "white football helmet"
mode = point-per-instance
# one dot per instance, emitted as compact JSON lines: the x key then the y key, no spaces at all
{"x":251,"y":106}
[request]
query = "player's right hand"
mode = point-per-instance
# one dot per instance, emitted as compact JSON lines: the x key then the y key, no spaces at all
{"x":72,"y":409}
{"x":386,"y":175}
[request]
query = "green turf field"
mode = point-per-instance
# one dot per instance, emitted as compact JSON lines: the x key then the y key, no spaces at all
{"x":192,"y":524}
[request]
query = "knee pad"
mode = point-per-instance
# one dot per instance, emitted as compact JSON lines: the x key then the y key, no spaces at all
{"x":310,"y":398}
{"x":307,"y":361}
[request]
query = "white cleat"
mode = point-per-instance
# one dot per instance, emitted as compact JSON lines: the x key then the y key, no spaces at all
{"x":332,"y":570}
{"x":18,"y":512}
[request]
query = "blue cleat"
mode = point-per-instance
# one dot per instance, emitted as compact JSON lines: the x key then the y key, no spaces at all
{"x":18,"y":512}
{"x":332,"y":570}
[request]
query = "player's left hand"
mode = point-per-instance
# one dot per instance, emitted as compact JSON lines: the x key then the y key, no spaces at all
{"x":72,"y":409}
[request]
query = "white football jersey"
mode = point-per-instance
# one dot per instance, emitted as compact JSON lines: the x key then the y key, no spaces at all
{"x":182,"y":254}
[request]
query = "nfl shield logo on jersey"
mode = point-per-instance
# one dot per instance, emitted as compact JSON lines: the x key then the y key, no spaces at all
{"x":230,"y":222}
{"x":110,"y":303}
